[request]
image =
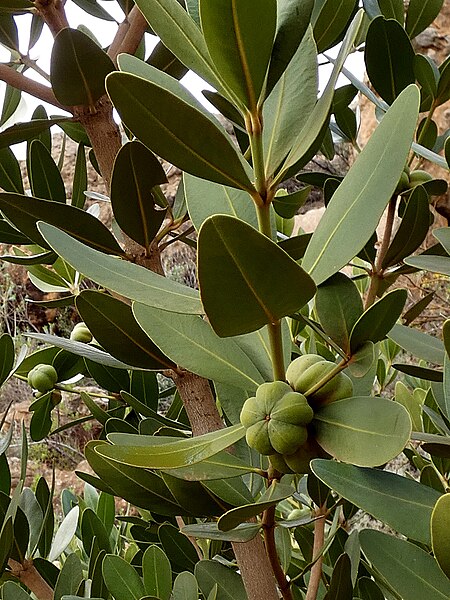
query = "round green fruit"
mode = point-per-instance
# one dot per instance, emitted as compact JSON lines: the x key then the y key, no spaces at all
{"x":277,"y":461}
{"x":299,"y":460}
{"x":81,"y":333}
{"x":307,"y":370}
{"x":43,"y":377}
{"x":403,"y":183}
{"x":418,"y":177}
{"x":276,"y":419}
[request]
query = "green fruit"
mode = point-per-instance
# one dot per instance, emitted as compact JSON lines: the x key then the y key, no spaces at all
{"x":268,"y":394}
{"x":403,"y":183}
{"x":257,"y":437}
{"x":418,"y":177}
{"x":285,"y":437}
{"x":277,"y":461}
{"x":299,"y":513}
{"x":43,"y":377}
{"x":81,"y":333}
{"x":276,"y":419}
{"x":307,"y":370}
{"x":299,"y":460}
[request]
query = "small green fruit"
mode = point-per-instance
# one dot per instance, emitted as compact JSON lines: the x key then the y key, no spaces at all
{"x":299,"y":513}
{"x":277,"y":461}
{"x":299,"y":460}
{"x":43,"y":377}
{"x":403,"y":183}
{"x":81,"y":333}
{"x":307,"y":370}
{"x":418,"y":177}
{"x":276,"y":419}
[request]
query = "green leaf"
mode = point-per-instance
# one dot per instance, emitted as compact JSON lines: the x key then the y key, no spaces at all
{"x":412,"y":402}
{"x":439,"y":533}
{"x":45,"y":179}
{"x":70,"y":577}
{"x":392,"y":9}
{"x":190,"y":342}
{"x":210,"y":531}
{"x":422,"y":345}
{"x":378,"y":320}
{"x":122,"y":277}
{"x":136,"y":172}
{"x":11,"y":102}
{"x":251,"y":267}
{"x":421,"y":13}
{"x":80,"y":181}
{"x":112,"y":324}
{"x":368,"y":589}
{"x":10,"y":175}
{"x":297,"y":84}
{"x":341,"y":586}
{"x":12,"y":591}
{"x":179,"y":550}
{"x":6,"y":542}
{"x":435,"y":264}
{"x":194,"y":142}
{"x":331,"y":22}
{"x":239,"y":49}
{"x":293,"y":18}
{"x":16,"y":5}
{"x":157,"y":573}
{"x":164,"y":453}
{"x":400,"y":502}
{"x":443,"y":236}
{"x":26,"y":211}
{"x":229,"y":584}
{"x":233,"y":491}
{"x":307,"y":137}
{"x":142,"y":488}
{"x":9,"y":35}
{"x":408,"y":569}
{"x":181,"y":35}
{"x":185,"y":587}
{"x":205,"y":199}
{"x":364,"y":431}
{"x":6,"y":357}
{"x":93,"y":529}
{"x":23,"y":132}
{"x":412,"y":230}
{"x":78,"y":68}
{"x":427,"y":74}
{"x":220,"y":466}
{"x":65,"y":533}
{"x":164,"y":60}
{"x":359,"y":201}
{"x":338,"y":306}
{"x":80,"y":349}
{"x":274,"y":494}
{"x":389,"y":58}
{"x":121,"y":579}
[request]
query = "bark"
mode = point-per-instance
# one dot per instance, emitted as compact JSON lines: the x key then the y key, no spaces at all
{"x":27,"y":574}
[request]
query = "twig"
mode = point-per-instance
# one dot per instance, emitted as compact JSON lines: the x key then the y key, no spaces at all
{"x":21,"y":82}
{"x":129,"y":34}
{"x":319,"y":538}
{"x":269,"y":540}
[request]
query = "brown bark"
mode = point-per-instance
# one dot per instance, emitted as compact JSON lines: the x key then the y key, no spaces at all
{"x":52,"y":11}
{"x":129,"y":34}
{"x":27,"y":574}
{"x":36,"y":89}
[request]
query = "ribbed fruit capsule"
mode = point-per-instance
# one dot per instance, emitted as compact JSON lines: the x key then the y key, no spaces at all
{"x":42,"y":377}
{"x":81,"y":333}
{"x":306,"y":371}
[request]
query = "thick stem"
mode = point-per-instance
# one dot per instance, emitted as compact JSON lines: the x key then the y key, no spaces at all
{"x":319,"y":538}
{"x":271,"y":549}
{"x":129,"y":34}
{"x":52,"y":11}
{"x":103,"y":133}
{"x":254,"y":129}
{"x":27,"y":574}
{"x":378,"y":271}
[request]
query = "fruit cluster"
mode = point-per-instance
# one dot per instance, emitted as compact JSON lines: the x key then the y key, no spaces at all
{"x":277,"y":418}
{"x":409,"y":179}
{"x":42,"y":377}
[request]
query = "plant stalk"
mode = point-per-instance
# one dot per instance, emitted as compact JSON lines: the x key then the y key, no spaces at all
{"x":271,"y":549}
{"x":319,"y":539}
{"x":328,"y":377}
{"x":377,"y":273}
